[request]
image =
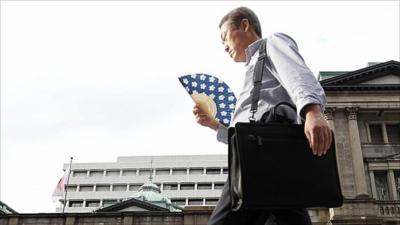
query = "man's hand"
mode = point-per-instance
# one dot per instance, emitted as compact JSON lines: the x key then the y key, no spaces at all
{"x":317,"y":130}
{"x":204,"y":119}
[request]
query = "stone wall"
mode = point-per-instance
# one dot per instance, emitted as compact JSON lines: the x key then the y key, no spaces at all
{"x":188,"y":217}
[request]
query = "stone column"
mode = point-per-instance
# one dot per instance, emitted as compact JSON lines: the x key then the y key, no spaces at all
{"x":392,"y":185}
{"x":69,"y":220}
{"x":13,"y":221}
{"x":329,"y":117}
{"x":384,"y":134}
{"x":373,"y":185}
{"x":127,"y":220}
{"x":355,"y":148}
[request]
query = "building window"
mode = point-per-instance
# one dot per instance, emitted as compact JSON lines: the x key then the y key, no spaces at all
{"x":382,"y":188}
{"x":92,"y":203}
{"x":102,"y":187}
{"x":196,"y":171}
{"x":129,"y":173}
{"x":195,"y":201}
{"x":119,"y":187}
{"x":375,"y":131}
{"x":80,"y":173}
{"x":86,"y":188}
{"x":212,"y":171}
{"x":218,"y":186}
{"x":144,"y":172}
{"x":393,"y":133}
{"x":134,"y":187}
{"x":108,"y":202}
{"x":225,"y":171}
{"x":96,"y":173}
{"x":204,"y":186}
{"x":163,"y":172}
{"x":179,"y":201}
{"x":187,"y":186}
{"x":170,"y":186}
{"x":387,"y":132}
{"x":71,"y":188}
{"x":112,"y":173}
{"x":211,"y":201}
{"x":179,"y":171}
{"x":74,"y":203}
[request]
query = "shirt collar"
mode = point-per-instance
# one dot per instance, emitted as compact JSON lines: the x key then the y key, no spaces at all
{"x":251,"y":50}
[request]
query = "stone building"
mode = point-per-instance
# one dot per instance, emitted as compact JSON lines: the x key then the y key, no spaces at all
{"x":364,"y":112}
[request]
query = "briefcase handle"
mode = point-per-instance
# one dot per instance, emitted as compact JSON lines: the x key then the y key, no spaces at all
{"x":273,"y":116}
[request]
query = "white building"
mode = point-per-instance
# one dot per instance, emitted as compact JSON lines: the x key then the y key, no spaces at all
{"x":185,"y":180}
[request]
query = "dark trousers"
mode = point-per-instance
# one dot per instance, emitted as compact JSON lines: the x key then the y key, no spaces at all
{"x":223,"y":215}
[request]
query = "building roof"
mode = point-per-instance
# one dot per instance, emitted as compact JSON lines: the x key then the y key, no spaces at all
{"x":5,"y":209}
{"x":132,"y":202}
{"x":356,"y":80}
{"x":323,"y":75}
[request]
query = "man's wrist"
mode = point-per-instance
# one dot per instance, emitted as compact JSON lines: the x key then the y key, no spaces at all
{"x":311,"y":110}
{"x":215,"y":126}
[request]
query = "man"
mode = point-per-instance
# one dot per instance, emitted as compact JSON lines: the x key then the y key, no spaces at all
{"x":291,"y":81}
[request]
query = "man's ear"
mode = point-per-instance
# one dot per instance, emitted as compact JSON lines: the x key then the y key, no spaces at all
{"x":245,"y":25}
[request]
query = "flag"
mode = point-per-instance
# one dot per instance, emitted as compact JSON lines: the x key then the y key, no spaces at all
{"x":59,"y":190}
{"x":212,"y":94}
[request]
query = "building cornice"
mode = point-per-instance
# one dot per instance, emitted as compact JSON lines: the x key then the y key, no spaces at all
{"x":362,"y":87}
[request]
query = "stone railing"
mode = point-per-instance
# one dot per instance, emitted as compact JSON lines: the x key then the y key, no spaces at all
{"x":389,"y":208}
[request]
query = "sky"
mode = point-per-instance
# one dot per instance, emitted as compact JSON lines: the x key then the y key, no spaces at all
{"x":98,"y":79}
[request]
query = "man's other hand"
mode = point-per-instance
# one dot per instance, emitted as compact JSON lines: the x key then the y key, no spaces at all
{"x":317,"y":130}
{"x":204,"y":119}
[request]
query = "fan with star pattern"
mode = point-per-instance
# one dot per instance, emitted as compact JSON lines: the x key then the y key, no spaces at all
{"x":212,"y":94}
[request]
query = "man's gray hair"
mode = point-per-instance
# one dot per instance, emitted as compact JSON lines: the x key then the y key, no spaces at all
{"x":237,"y":15}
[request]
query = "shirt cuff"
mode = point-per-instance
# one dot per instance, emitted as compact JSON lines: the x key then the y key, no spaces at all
{"x":222,"y":134}
{"x":302,"y":104}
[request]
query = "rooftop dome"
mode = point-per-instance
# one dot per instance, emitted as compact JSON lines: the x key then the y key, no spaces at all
{"x":150,"y":192}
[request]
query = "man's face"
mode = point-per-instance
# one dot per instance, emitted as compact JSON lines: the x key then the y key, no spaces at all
{"x":234,"y":41}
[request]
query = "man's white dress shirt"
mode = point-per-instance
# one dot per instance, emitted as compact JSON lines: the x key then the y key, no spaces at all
{"x":288,"y":80}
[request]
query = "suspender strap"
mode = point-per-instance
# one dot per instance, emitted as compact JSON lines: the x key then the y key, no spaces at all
{"x":257,"y":78}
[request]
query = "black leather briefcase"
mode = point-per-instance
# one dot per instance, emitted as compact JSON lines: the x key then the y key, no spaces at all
{"x":271,"y":165}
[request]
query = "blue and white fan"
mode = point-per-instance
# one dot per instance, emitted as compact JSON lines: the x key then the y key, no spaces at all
{"x":212,"y":94}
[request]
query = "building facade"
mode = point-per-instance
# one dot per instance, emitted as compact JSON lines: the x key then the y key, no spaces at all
{"x":364,"y":112}
{"x":192,"y":180}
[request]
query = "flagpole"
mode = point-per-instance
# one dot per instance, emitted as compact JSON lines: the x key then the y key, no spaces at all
{"x":66,"y":185}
